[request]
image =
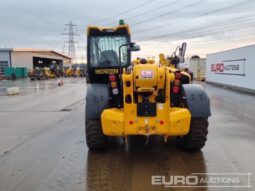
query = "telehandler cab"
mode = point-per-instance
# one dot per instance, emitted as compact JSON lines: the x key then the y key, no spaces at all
{"x":143,"y":99}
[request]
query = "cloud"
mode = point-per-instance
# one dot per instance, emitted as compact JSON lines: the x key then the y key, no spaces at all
{"x":40,"y":23}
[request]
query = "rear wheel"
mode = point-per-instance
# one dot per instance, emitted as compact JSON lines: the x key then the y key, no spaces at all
{"x":87,"y":80}
{"x":197,"y":136}
{"x":95,"y":138}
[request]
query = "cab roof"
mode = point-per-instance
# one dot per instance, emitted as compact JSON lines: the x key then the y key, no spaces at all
{"x":101,"y":30}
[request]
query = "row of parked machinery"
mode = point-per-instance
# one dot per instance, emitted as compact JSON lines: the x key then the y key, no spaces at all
{"x":77,"y":70}
{"x":54,"y":71}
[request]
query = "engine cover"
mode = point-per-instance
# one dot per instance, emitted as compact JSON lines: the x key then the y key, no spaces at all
{"x":145,"y":77}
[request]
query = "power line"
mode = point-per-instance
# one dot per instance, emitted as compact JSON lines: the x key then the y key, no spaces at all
{"x":197,"y":32}
{"x":251,"y":36}
{"x":157,"y":8}
{"x":123,"y":12}
{"x":150,"y":10}
{"x":199,"y":28}
{"x":210,"y":32}
{"x":233,"y":43}
{"x":57,"y":41}
{"x":206,"y":14}
{"x":154,"y":17}
{"x":71,"y":41}
{"x":169,"y":12}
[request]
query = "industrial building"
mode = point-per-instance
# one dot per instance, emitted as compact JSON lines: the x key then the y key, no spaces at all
{"x":234,"y":68}
{"x":31,"y":58}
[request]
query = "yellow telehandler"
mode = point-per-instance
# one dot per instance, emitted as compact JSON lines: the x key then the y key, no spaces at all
{"x":141,"y":99}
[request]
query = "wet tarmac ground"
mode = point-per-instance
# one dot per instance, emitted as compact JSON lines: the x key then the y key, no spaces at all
{"x":42,"y":144}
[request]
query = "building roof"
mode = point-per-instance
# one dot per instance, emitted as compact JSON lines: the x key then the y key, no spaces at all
{"x":40,"y":50}
{"x":6,"y":49}
{"x":32,"y":50}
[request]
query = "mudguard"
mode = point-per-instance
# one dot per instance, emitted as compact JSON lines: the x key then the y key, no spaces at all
{"x":197,"y":100}
{"x":97,"y":99}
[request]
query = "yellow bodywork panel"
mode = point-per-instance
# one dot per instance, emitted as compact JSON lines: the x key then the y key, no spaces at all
{"x":167,"y":121}
{"x":113,"y":122}
{"x":180,"y":119}
{"x":145,"y":77}
{"x":175,"y":122}
{"x":163,"y":61}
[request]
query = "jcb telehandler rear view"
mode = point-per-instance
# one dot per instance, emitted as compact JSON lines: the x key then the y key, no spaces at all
{"x":142,"y":98}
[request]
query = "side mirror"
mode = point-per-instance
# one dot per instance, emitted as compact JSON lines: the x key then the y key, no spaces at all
{"x":133,"y":47}
{"x":181,"y":59}
{"x":130,"y":47}
{"x":183,"y":49}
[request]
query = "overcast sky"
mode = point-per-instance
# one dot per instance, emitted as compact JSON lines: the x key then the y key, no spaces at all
{"x":157,"y":25}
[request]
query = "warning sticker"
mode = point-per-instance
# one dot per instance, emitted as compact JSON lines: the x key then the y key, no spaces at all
{"x":146,"y":74}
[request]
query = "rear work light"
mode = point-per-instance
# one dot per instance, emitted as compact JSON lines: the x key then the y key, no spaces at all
{"x":115,"y":91}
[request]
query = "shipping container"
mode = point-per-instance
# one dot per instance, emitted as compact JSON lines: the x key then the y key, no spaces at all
{"x":8,"y":72}
{"x":197,"y":66}
{"x":20,"y":72}
{"x":233,"y":68}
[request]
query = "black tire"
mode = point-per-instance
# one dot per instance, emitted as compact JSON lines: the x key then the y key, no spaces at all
{"x":95,"y":138}
{"x":87,"y":80}
{"x":196,"y":138}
